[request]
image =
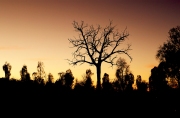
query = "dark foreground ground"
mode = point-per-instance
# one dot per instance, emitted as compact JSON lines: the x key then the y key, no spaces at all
{"x":38,"y":101}
{"x":111,"y":105}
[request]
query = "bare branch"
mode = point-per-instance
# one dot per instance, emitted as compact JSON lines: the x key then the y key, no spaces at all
{"x":111,"y":61}
{"x":95,"y":44}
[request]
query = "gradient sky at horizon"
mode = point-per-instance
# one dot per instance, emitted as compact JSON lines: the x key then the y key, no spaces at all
{"x":38,"y":30}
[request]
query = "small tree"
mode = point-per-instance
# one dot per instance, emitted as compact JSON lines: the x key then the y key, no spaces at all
{"x":69,"y":79}
{"x":129,"y":81}
{"x":61,"y":80}
{"x":66,"y":79}
{"x":7,"y":69}
{"x":97,"y":45}
{"x":122,"y":74}
{"x":157,"y":79}
{"x":122,"y":67}
{"x":49,"y":84}
{"x":24,"y":74}
{"x":106,"y":83}
{"x":34,"y":75}
{"x":40,"y":70}
{"x":50,"y":78}
{"x":141,"y":84}
{"x":40,"y":75}
{"x":88,"y":81}
{"x":138,"y":81}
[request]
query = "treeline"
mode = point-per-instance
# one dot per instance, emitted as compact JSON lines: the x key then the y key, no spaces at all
{"x":66,"y":82}
{"x":124,"y":82}
{"x":67,"y":94}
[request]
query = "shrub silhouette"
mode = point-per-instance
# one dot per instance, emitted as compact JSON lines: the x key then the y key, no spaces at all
{"x":7,"y":70}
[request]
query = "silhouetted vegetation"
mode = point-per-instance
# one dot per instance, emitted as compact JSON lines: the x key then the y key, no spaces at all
{"x":117,"y":97}
{"x":106,"y":85}
{"x":125,"y":79}
{"x":157,"y":80}
{"x":142,"y":85}
{"x":25,"y":76}
{"x":168,"y":54}
{"x":97,"y":45}
{"x":85,"y":86}
{"x":7,"y":70}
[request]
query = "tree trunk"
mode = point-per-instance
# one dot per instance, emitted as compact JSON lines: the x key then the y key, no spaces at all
{"x":98,"y":70}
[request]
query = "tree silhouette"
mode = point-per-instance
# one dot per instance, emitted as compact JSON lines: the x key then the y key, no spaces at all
{"x":97,"y":45}
{"x":66,"y":80}
{"x":34,"y":74}
{"x":40,"y":75}
{"x":7,"y":69}
{"x":141,"y":85}
{"x":138,"y":81}
{"x":169,"y":53}
{"x":121,"y":74}
{"x":157,"y":80}
{"x":61,"y":81}
{"x":40,"y":70}
{"x":122,"y":67}
{"x":106,"y":83}
{"x":50,"y":84}
{"x":50,"y":78}
{"x":69,"y":78}
{"x":25,"y":76}
{"x":87,"y":80}
{"x":129,"y":81}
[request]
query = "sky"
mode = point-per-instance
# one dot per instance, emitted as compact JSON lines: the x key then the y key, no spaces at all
{"x":38,"y":30}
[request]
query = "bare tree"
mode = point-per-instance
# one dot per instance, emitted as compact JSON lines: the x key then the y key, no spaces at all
{"x":96,"y":45}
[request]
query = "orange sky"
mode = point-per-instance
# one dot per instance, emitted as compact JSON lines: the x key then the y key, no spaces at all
{"x":38,"y":30}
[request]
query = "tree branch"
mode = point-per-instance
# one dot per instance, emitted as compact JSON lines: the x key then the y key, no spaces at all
{"x":96,"y":48}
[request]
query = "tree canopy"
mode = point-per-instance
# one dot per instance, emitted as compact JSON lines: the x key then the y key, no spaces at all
{"x":96,"y":45}
{"x":169,"y":53}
